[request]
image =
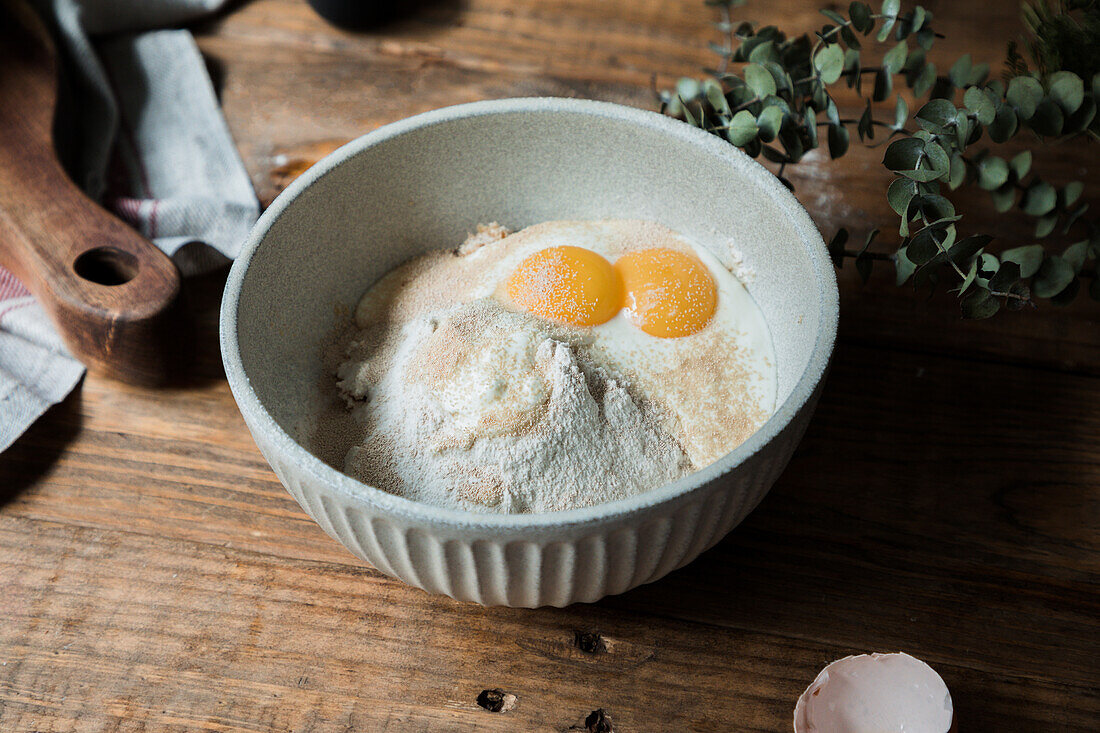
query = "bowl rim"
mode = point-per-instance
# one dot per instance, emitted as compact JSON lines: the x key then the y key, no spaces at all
{"x":258,"y":418}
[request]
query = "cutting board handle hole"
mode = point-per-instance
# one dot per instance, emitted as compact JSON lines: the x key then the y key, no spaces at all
{"x":106,"y":266}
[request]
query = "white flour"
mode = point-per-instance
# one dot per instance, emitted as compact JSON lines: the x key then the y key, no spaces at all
{"x":461,"y":401}
{"x":556,"y":436}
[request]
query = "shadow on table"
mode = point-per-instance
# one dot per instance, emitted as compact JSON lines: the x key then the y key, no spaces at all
{"x":199,"y":361}
{"x":36,"y":450}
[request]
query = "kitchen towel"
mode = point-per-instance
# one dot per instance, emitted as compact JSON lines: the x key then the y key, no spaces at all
{"x":141,"y":131}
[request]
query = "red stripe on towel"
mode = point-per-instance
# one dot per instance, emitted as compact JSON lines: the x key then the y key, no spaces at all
{"x":10,"y":287}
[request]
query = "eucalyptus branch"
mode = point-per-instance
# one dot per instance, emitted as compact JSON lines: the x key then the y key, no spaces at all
{"x":779,"y":97}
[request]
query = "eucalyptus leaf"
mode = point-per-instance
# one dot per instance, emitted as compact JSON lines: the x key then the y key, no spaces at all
{"x":1082,"y":119}
{"x":900,"y":193}
{"x":903,"y":154}
{"x":742,"y":128}
{"x":1076,"y":254}
{"x":968,"y":280}
{"x":838,"y":140}
{"x":926,"y":37}
{"x":924,"y":175}
{"x":716,"y":96}
{"x":919,"y":16}
{"x":674,"y":107}
{"x":1048,"y":119}
{"x":992,"y":172}
{"x":964,"y":130}
{"x":864,"y":265}
{"x":894,"y":59}
{"x":775,"y":155}
{"x":688,"y":88}
{"x":851,"y":65}
{"x":935,"y":207}
{"x":836,"y":247}
{"x":689,"y":117}
{"x":1007,"y":274}
{"x":1053,"y":277}
{"x":922,"y":248}
{"x":810,"y":126}
{"x":936,"y":116}
{"x":905,"y":267}
{"x":1028,"y":258}
{"x":937,"y":157}
{"x":960,"y":71}
{"x":1024,"y":93}
{"x":1004,"y":124}
{"x":1023,"y":292}
{"x":976,"y":101}
{"x":963,"y":250}
{"x":1021,"y":164}
{"x":901,"y":113}
{"x":884,"y":85}
{"x":769,"y":122}
{"x":829,"y":62}
{"x":765,"y":51}
{"x":760,"y":80}
{"x":890,"y":9}
{"x":860,"y":13}
{"x":978,"y":74}
{"x":979,"y":304}
{"x":866,"y":127}
{"x":792,"y":143}
{"x":925,"y":80}
{"x":1072,"y":192}
{"x":1045,"y":225}
{"x":1066,"y":89}
{"x":988,"y":265}
{"x":783,"y":81}
{"x":1003,"y":198}
{"x":1039,"y":198}
{"x":957,"y":174}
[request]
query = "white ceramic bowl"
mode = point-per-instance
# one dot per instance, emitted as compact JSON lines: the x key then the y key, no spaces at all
{"x":423,"y":183}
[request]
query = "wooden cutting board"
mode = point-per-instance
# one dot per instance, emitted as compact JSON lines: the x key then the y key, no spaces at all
{"x":109,"y":291}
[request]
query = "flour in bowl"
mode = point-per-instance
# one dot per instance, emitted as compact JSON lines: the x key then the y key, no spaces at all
{"x":566,"y":365}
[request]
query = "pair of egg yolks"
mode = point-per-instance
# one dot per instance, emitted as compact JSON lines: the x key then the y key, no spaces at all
{"x":666,"y":293}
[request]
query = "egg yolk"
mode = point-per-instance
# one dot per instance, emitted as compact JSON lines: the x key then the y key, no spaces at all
{"x":666,"y":293}
{"x":568,"y":285}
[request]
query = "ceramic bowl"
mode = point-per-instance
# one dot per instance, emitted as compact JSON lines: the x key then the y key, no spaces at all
{"x":425,"y":182}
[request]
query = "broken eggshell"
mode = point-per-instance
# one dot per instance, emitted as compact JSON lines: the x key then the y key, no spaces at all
{"x":872,"y":693}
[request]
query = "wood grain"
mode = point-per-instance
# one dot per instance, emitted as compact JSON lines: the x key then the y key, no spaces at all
{"x":109,"y":292}
{"x":154,"y":575}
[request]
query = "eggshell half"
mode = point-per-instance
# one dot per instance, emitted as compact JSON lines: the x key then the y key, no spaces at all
{"x":876,"y":693}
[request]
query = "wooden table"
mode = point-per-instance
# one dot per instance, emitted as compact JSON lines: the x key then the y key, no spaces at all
{"x":154,"y":575}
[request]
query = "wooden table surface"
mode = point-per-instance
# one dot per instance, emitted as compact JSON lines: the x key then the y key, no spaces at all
{"x":154,"y":575}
